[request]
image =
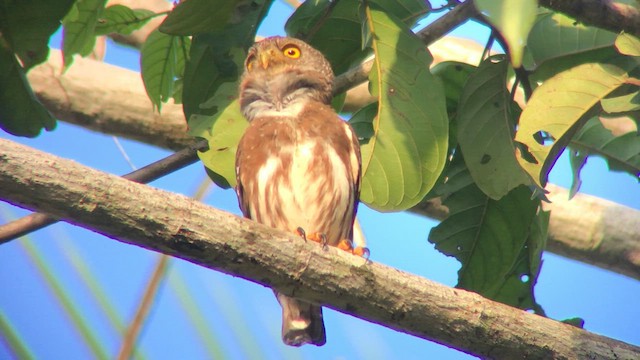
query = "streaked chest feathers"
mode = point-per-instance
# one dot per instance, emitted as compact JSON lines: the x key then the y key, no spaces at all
{"x":301,"y":181}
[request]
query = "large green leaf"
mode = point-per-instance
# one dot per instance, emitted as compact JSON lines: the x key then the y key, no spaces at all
{"x":498,"y":243}
{"x":514,"y":20}
{"x":211,"y":89}
{"x":555,"y":35}
{"x":20,"y":112}
{"x":26,"y":26}
{"x":622,"y":153}
{"x":560,"y":106}
{"x":122,"y":20}
{"x":405,"y":157}
{"x":486,"y":126}
{"x":162,"y":60}
{"x":192,"y":17}
{"x":80,"y":23}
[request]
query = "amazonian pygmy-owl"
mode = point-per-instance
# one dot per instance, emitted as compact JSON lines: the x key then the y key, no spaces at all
{"x":298,"y":163}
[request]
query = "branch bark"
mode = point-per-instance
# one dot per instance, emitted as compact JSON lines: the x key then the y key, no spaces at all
{"x":115,"y":103}
{"x":176,"y":225}
{"x":605,"y":14}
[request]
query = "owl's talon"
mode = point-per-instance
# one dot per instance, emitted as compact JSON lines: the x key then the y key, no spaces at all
{"x":347,"y":245}
{"x":300,"y":232}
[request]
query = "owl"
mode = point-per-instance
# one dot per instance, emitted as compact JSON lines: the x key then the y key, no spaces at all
{"x":298,"y":164}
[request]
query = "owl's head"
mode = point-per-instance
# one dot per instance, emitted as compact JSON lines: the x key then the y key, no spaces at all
{"x":280,"y":71}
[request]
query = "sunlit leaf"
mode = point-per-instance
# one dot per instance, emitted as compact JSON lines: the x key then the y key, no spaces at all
{"x":488,"y":237}
{"x":122,"y":20}
{"x":79,"y":35}
{"x":486,"y":126}
{"x":223,"y":130}
{"x":621,"y":104}
{"x":27,"y":25}
{"x":402,"y":162}
{"x":20,"y":112}
{"x":560,"y":106}
{"x":622,"y":153}
{"x":514,"y":20}
{"x":162,"y":60}
{"x":192,"y":17}
{"x":555,"y":35}
{"x":628,"y":44}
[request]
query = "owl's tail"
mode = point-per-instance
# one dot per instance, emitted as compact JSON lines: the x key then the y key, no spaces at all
{"x":301,"y":322}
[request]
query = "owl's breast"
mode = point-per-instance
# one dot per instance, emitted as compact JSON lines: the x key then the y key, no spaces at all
{"x":296,"y":180}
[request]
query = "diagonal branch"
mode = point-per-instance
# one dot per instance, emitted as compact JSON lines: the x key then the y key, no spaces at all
{"x":147,"y":174}
{"x":175,"y":225}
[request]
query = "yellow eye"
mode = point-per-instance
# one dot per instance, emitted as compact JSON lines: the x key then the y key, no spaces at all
{"x":291,"y":51}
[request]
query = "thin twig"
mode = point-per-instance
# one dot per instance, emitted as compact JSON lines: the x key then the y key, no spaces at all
{"x":151,"y":172}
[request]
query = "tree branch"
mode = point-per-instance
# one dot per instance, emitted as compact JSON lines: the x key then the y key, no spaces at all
{"x":605,"y":14}
{"x":116,"y":104}
{"x":176,"y":225}
{"x":149,"y":173}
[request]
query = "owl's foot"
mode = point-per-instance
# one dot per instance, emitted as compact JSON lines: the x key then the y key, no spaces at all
{"x":316,"y":236}
{"x":347,"y":245}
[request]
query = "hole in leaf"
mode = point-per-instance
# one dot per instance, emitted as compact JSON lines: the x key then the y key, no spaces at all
{"x":459,"y":247}
{"x":485,"y":159}
{"x":524,"y":278}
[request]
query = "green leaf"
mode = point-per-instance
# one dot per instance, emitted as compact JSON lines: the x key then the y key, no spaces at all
{"x":26,"y":25}
{"x":555,"y":35}
{"x":518,"y":287}
{"x":488,"y":237}
{"x":20,"y":112}
{"x":192,"y":17}
{"x":122,"y":20}
{"x":211,"y":80}
{"x":514,"y":20}
{"x":223,"y":130}
{"x":402,"y":162}
{"x":362,"y":122}
{"x":80,"y":23}
{"x":453,"y":75}
{"x":560,"y":106}
{"x":162,"y":60}
{"x":486,"y":126}
{"x":622,"y":153}
{"x":333,"y":28}
{"x":623,"y":103}
{"x":628,"y":44}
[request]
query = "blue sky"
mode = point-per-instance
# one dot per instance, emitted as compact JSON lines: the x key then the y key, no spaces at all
{"x":240,"y":319}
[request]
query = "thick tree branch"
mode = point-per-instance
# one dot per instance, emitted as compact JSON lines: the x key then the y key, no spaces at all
{"x":149,"y":173}
{"x":605,"y":14}
{"x":117,"y":104}
{"x":175,"y":225}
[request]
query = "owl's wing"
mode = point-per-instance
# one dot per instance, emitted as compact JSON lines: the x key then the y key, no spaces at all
{"x":356,"y":167}
{"x":242,"y":201}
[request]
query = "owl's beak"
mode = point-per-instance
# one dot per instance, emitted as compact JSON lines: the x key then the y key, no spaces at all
{"x":265,"y":57}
